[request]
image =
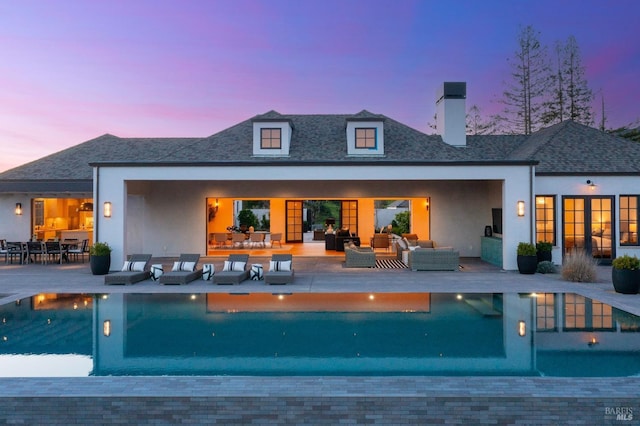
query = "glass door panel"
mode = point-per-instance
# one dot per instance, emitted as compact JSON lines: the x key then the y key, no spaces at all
{"x":294,"y":223}
{"x":588,"y":225}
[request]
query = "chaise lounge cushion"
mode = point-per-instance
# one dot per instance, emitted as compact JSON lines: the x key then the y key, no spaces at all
{"x":183,"y":276}
{"x":134,"y":270}
{"x":234,"y":270}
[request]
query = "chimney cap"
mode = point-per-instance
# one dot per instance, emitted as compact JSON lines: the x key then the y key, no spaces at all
{"x":453,"y":90}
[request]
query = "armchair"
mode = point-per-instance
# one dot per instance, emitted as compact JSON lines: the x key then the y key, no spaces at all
{"x":359,"y":257}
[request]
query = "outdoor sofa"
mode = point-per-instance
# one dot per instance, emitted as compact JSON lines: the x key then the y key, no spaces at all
{"x":434,"y":259}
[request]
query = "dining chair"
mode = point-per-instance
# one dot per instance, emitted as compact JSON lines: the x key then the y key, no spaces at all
{"x":276,"y":238}
{"x":79,"y":250}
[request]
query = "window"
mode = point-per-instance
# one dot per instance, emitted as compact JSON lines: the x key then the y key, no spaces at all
{"x":545,"y":219}
{"x":546,"y":312}
{"x":366,"y":138}
{"x":629,"y":220}
{"x":581,"y":313}
{"x":270,"y":138}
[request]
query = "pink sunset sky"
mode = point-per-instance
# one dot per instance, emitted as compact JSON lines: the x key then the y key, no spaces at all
{"x":73,"y":70}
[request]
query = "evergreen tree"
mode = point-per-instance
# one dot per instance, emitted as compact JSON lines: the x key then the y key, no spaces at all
{"x":525,"y":95}
{"x":578,"y":94}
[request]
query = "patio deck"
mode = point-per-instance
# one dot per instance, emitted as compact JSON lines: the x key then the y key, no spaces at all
{"x":318,"y":400}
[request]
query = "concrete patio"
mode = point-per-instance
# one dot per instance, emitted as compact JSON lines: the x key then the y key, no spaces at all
{"x":318,"y":400}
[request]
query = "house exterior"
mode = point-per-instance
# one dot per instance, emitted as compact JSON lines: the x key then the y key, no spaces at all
{"x":568,"y":184}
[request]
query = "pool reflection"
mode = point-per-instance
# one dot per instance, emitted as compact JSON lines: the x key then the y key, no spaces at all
{"x":324,"y":334}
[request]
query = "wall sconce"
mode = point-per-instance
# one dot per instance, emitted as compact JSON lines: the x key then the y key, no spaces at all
{"x":107,"y":209}
{"x":522,"y":328}
{"x":106,"y":328}
{"x":591,"y":184}
{"x":213,"y":209}
{"x":427,"y":202}
{"x":18,"y":209}
{"x":520,"y":206}
{"x":593,"y":342}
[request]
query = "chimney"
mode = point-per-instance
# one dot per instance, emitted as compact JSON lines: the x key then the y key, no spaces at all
{"x":451,"y":116}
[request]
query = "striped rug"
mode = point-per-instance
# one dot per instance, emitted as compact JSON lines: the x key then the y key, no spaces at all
{"x":389,"y":264}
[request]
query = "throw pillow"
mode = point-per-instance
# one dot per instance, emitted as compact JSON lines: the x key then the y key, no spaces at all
{"x":280,"y":266}
{"x":183,"y":266}
{"x":230,"y":266}
{"x":133,"y":266}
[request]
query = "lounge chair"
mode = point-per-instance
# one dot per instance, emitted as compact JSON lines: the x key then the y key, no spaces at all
{"x":280,"y":270}
{"x":184,"y":270}
{"x":234,"y":271}
{"x":134,"y":270}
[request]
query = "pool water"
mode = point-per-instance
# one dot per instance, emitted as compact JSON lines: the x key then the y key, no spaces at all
{"x":492,"y":334}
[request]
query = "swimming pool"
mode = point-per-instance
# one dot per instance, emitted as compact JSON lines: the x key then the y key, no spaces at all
{"x":492,"y":334}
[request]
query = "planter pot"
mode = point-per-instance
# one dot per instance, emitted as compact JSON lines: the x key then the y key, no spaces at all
{"x":527,"y":264}
{"x":544,"y":256}
{"x":100,"y":264}
{"x":626,"y":281}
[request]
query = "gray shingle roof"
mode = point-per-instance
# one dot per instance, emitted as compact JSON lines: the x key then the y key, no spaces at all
{"x":567,"y":148}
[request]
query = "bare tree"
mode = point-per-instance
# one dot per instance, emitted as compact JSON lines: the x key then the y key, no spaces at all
{"x":524,"y":96}
{"x":476,"y":124}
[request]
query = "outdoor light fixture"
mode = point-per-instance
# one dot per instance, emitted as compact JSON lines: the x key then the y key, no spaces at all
{"x":522,"y":328}
{"x":593,"y":342}
{"x":106,"y":328}
{"x":107,"y":209}
{"x":520,"y":208}
{"x":591,"y":184}
{"x":213,"y":209}
{"x":19,"y":209}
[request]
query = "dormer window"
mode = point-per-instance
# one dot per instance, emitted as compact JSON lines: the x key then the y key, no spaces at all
{"x":271,"y":135}
{"x":366,"y":138}
{"x":270,"y":138}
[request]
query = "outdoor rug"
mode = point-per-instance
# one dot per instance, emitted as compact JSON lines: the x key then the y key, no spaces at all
{"x":390,"y":264}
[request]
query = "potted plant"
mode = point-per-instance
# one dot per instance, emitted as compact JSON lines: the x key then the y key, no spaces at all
{"x":100,"y":258}
{"x":543,"y":251}
{"x":527,"y":258}
{"x":625,"y":274}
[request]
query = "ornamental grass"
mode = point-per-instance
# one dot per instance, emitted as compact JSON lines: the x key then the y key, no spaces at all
{"x":578,"y":266}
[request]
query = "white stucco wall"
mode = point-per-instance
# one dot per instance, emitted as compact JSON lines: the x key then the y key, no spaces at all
{"x":15,"y":227}
{"x":560,"y":186}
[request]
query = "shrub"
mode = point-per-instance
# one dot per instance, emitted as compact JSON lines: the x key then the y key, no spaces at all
{"x":626,"y":262}
{"x":544,"y":246}
{"x":579,"y":267}
{"x":546,"y":267}
{"x":526,"y":249}
{"x":100,"y":249}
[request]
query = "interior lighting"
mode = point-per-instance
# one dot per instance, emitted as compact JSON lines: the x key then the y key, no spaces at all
{"x":520,"y":207}
{"x":106,"y":328}
{"x":18,"y":209}
{"x":522,"y":328}
{"x":107,"y":209}
{"x":427,"y":202}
